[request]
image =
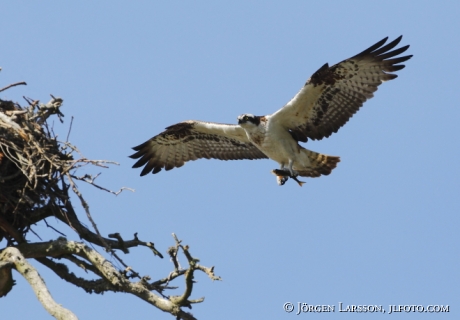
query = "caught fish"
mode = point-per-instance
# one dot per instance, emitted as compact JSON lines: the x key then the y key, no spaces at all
{"x":283,"y":176}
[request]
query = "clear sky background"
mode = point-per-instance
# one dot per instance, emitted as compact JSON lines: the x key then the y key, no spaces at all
{"x":382,"y":229}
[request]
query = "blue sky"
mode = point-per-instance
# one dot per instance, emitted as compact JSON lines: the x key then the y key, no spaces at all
{"x":381,"y":229}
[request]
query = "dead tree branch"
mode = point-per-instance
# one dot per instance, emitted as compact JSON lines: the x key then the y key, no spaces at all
{"x":13,"y":85}
{"x":14,"y":256}
{"x":111,"y":278}
{"x":38,"y":176}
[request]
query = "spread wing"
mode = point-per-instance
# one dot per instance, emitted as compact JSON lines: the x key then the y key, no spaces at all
{"x":191,"y":140}
{"x":333,"y":94}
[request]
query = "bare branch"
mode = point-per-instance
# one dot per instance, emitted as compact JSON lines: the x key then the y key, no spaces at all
{"x":14,"y":256}
{"x":209,"y":272}
{"x":173,"y":275}
{"x":13,"y":85}
{"x":90,"y":286}
{"x":109,"y":272}
{"x":69,"y":217}
{"x":90,"y":179}
{"x":183,"y":300}
{"x":85,"y":206}
{"x":70,"y":129}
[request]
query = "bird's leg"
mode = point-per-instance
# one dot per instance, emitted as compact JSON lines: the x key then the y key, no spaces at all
{"x":292,"y":171}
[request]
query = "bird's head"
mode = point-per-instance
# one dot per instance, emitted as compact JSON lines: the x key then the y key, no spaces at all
{"x":247,"y":120}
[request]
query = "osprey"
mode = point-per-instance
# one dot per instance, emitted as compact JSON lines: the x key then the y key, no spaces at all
{"x":328,"y":99}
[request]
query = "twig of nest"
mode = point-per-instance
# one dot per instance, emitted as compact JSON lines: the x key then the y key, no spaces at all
{"x":33,"y":166}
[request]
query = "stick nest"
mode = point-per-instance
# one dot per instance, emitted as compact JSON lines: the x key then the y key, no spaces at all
{"x":32,"y":165}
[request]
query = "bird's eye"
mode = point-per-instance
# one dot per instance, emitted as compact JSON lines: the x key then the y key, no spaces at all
{"x":245,"y":118}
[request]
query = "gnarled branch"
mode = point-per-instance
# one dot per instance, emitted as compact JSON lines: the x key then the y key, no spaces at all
{"x":14,"y":256}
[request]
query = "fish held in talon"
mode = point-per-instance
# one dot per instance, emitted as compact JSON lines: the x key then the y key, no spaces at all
{"x":282,"y":176}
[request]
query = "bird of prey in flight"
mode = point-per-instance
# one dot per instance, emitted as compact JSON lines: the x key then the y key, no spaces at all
{"x":325,"y":103}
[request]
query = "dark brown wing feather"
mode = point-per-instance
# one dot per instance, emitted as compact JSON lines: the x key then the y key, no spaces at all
{"x":192,"y":140}
{"x":333,"y":94}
